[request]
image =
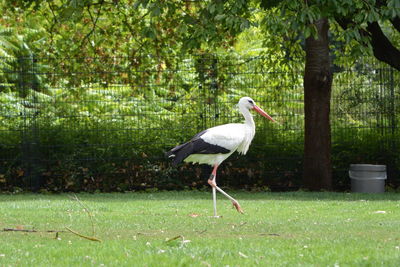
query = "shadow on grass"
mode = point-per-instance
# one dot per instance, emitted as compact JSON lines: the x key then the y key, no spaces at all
{"x":197,"y":195}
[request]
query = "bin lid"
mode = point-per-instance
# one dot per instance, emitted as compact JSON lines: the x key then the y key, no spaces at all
{"x":367,"y":167}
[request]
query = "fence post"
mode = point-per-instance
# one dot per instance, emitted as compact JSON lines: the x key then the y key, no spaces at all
{"x":201,"y":95}
{"x":392,"y":107}
{"x":214,"y":86}
{"x":207,"y":69}
{"x":30,"y":140}
{"x":25,"y":164}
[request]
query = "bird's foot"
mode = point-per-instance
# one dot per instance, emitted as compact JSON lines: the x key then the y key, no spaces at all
{"x":237,"y":206}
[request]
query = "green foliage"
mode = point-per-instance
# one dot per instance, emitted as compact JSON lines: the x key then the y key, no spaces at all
{"x":167,"y":28}
{"x":294,"y":20}
{"x":19,"y":45}
{"x":131,"y":28}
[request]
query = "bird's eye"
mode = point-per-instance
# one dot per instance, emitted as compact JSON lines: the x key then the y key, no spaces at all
{"x":251,"y":102}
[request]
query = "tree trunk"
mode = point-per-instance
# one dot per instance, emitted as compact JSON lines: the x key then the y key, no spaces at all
{"x":317,"y":173}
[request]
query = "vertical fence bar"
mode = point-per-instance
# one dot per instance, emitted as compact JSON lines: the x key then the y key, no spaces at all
{"x":25,"y":143}
{"x":202,"y":95}
{"x":30,"y":139}
{"x":22,"y":89}
{"x":214,"y":88}
{"x":392,"y":113}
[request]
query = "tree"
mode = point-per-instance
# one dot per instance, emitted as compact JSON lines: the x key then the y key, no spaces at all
{"x":159,"y":26}
{"x":317,"y":96}
{"x":360,"y":22}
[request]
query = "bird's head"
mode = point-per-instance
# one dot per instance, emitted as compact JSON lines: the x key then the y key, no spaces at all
{"x":248,"y":103}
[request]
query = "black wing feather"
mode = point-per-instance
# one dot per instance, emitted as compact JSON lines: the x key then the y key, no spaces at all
{"x":195,"y":146}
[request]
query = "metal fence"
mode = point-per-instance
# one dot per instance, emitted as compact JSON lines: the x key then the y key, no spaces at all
{"x":105,"y":123}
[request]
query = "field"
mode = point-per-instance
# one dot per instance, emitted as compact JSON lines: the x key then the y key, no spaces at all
{"x":176,"y":229}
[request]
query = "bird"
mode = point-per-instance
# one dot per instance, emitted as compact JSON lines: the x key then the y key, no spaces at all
{"x":214,"y":145}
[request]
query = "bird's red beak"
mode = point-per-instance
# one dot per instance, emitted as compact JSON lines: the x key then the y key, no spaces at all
{"x":263,"y":113}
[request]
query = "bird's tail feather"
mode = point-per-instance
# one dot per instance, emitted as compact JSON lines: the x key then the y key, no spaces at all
{"x":179,"y":153}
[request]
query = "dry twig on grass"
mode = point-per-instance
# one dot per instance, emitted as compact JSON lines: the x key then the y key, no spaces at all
{"x":32,"y":230}
{"x":86,"y":210}
{"x":83,"y":236}
{"x":92,"y":238}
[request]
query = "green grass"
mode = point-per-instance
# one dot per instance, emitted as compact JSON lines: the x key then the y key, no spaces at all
{"x":277,"y":229}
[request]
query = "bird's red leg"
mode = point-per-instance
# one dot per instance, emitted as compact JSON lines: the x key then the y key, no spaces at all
{"x":212,"y":182}
{"x":213,"y":176}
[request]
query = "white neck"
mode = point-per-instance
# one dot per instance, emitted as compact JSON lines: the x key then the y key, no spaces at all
{"x":248,"y":118}
{"x":250,"y":130}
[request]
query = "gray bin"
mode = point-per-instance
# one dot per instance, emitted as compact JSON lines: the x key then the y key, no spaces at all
{"x":367,"y":178}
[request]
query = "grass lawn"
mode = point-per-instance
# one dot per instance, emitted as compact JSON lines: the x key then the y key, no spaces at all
{"x":277,"y":229}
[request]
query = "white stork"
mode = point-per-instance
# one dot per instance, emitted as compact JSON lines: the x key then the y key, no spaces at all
{"x":214,"y":145}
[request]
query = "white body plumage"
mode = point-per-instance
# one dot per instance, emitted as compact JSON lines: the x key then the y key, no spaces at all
{"x":232,"y":136}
